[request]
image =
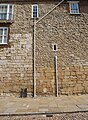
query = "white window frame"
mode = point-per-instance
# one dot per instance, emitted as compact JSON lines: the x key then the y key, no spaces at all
{"x":36,"y":11}
{"x":8,"y":11}
{"x":56,"y":47}
{"x":74,"y":2}
{"x":4,"y":35}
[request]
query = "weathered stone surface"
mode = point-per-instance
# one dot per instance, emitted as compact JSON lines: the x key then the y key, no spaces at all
{"x":69,"y":32}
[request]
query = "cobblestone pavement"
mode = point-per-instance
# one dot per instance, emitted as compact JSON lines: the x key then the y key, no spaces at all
{"x":65,"y":116}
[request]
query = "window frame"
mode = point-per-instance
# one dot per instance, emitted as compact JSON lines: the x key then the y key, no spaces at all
{"x":74,"y":2}
{"x":36,"y":11}
{"x":8,"y":11}
{"x":3,"y":43}
{"x":55,"y":46}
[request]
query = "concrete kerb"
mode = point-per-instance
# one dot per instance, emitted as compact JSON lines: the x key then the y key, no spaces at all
{"x":40,"y":113}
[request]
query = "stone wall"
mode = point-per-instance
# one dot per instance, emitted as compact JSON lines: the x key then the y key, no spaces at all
{"x":71,"y":80}
{"x":16,"y":64}
{"x":69,"y":32}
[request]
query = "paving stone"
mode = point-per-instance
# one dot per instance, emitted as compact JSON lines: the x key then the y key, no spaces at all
{"x":83,"y":106}
{"x":10,"y":110}
{"x":49,"y":104}
{"x":43,"y":109}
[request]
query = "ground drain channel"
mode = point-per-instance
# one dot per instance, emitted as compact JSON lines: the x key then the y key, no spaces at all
{"x":50,"y":115}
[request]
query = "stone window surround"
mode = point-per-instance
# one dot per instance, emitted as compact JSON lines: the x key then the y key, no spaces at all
{"x":7,"y":11}
{"x":35,"y":5}
{"x":75,"y":2}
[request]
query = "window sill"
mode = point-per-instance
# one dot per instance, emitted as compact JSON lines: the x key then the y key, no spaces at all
{"x":4,"y":45}
{"x":6,"y":21}
{"x":36,"y":18}
{"x":74,"y":13}
{"x":55,"y":50}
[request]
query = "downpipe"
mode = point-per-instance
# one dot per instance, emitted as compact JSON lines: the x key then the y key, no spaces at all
{"x":34,"y":47}
{"x":56,"y":76}
{"x":34,"y":60}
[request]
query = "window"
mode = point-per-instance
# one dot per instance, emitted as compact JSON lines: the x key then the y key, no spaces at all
{"x":54,"y":47}
{"x":3,"y":35}
{"x":35,"y":11}
{"x":6,"y":12}
{"x":74,"y":8}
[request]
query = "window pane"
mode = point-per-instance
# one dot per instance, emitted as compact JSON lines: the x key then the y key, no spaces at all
{"x":0,"y":39}
{"x":0,"y":16}
{"x":54,"y":47}
{"x":10,"y":9}
{"x":5,"y":31}
{"x":35,"y":11}
{"x":4,"y":16}
{"x":1,"y":32}
{"x":34,"y":8}
{"x":3,"y":35}
{"x":10,"y":16}
{"x":3,"y":12}
{"x":77,"y":8}
{"x":4,"y":9}
{"x":34,"y":14}
{"x":0,"y":9}
{"x":10,"y":12}
{"x":74,"y":7}
{"x":71,"y":5}
{"x":5,"y":39}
